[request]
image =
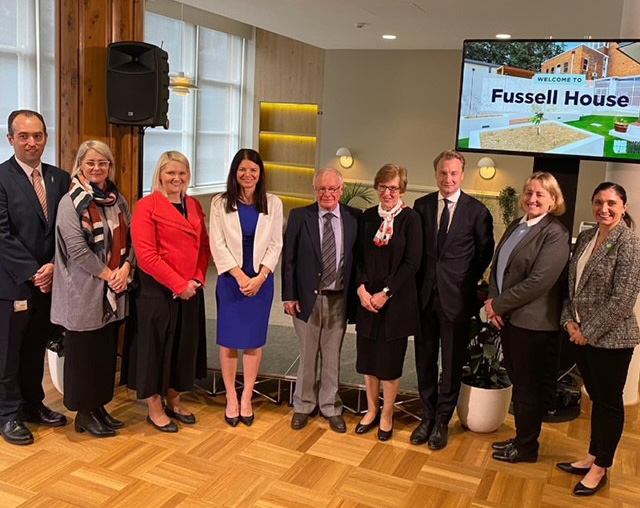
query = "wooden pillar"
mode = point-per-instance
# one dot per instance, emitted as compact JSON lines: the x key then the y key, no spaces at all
{"x":85,"y":28}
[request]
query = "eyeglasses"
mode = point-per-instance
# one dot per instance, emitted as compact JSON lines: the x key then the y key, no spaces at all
{"x":383,"y":188}
{"x":93,"y":164}
{"x":330,"y":190}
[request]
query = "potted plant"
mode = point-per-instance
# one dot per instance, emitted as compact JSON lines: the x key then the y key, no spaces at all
{"x":620,"y":124}
{"x":485,"y":392}
{"x":354,"y":191}
{"x":508,"y":203}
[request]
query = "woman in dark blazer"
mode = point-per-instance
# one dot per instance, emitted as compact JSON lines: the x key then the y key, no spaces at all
{"x":172,"y":246}
{"x":390,"y":245}
{"x":525,"y":302}
{"x":604,"y":282}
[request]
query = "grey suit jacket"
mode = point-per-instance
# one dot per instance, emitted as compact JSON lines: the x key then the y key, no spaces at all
{"x":531,"y":295}
{"x":608,"y":289}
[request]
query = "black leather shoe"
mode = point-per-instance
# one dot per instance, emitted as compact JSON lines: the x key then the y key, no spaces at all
{"x":513,"y":455}
{"x":232,"y":420}
{"x":503,"y":445}
{"x":169,"y":427}
{"x":568,"y":468}
{"x":337,"y":424}
{"x":89,"y":421}
{"x":109,"y":420}
{"x":581,"y":490}
{"x":42,"y":415}
{"x":299,"y":421}
{"x":189,"y":419}
{"x":363,"y":428}
{"x":247,"y":420}
{"x":438,"y":438}
{"x":15,"y":432}
{"x":421,"y":433}
{"x":385,"y":435}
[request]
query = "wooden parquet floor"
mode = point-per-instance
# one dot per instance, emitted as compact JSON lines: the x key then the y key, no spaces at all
{"x":269,"y":465}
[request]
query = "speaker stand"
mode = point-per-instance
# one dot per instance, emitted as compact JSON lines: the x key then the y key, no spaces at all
{"x":141,"y":130}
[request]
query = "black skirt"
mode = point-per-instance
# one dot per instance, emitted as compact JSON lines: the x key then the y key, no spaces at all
{"x":380,"y":357}
{"x":89,"y":367}
{"x":168,"y":350}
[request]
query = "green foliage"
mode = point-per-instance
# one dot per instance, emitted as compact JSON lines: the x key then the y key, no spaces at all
{"x":536,"y":118}
{"x":508,"y":202}
{"x":483,"y":369}
{"x":355,"y":191}
{"x":524,"y":55}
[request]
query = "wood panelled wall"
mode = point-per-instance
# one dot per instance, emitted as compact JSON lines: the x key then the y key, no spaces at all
{"x":85,"y":28}
{"x":287,"y":70}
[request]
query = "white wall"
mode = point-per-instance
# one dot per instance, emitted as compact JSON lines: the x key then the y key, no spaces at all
{"x":401,"y":106}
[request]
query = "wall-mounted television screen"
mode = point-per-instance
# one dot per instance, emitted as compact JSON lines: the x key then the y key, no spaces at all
{"x":577,"y":98}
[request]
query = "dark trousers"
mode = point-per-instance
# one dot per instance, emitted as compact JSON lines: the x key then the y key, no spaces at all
{"x":604,"y":372}
{"x":23,"y":339}
{"x":90,"y":367}
{"x":450,"y":339}
{"x":526,"y":362}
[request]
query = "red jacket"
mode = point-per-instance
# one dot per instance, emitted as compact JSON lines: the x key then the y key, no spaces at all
{"x":170,"y":248}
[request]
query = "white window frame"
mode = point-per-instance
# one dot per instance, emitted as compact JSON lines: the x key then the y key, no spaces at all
{"x":190,"y":135}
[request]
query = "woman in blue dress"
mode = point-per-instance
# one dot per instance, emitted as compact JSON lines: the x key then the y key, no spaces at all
{"x":246,"y":239}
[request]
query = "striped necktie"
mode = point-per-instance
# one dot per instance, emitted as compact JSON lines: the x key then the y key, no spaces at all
{"x":39,"y":188}
{"x":328,"y":252}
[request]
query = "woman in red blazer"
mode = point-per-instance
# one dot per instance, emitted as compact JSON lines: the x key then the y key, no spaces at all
{"x":172,"y":248}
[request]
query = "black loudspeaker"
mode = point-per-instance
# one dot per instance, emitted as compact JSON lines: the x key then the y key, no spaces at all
{"x":137,"y":84}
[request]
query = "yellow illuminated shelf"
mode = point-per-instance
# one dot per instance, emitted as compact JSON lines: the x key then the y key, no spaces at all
{"x":288,"y":145}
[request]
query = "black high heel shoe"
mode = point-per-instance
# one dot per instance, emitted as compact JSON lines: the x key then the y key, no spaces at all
{"x":247,"y":420}
{"x":363,"y":428}
{"x":89,"y":421}
{"x":108,"y":420}
{"x":232,"y":420}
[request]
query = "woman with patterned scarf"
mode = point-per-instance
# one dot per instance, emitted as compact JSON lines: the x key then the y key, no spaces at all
{"x":390,"y":247}
{"x":93,"y":261}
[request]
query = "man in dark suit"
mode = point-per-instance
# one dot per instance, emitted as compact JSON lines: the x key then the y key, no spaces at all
{"x":317,"y":280}
{"x":458,"y":245}
{"x":29,"y":194}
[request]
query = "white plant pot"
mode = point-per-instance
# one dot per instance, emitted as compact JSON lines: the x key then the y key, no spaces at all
{"x":56,"y":369}
{"x":482,"y":409}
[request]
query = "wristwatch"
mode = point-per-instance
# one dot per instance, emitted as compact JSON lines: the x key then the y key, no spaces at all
{"x":387,"y":292}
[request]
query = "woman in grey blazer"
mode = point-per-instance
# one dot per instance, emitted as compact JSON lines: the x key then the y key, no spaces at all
{"x":604,"y":282}
{"x":93,"y":260}
{"x":525,"y":303}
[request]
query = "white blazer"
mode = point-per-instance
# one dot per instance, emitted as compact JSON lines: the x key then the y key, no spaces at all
{"x":225,"y":236}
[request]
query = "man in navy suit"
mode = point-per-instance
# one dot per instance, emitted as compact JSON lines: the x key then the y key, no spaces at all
{"x":317,"y":288}
{"x":458,"y":246}
{"x":29,"y":194}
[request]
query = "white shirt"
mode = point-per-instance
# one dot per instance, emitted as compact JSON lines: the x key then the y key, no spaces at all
{"x":453,"y":203}
{"x":29,"y":171}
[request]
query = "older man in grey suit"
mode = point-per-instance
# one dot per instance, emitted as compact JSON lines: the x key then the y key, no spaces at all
{"x":317,"y":265}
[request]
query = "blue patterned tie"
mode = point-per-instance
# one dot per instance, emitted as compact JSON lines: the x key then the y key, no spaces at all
{"x":328,"y":252}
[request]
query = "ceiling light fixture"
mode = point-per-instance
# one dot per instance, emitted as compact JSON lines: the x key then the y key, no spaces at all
{"x":181,"y":84}
{"x":389,"y":37}
{"x":503,"y":36}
